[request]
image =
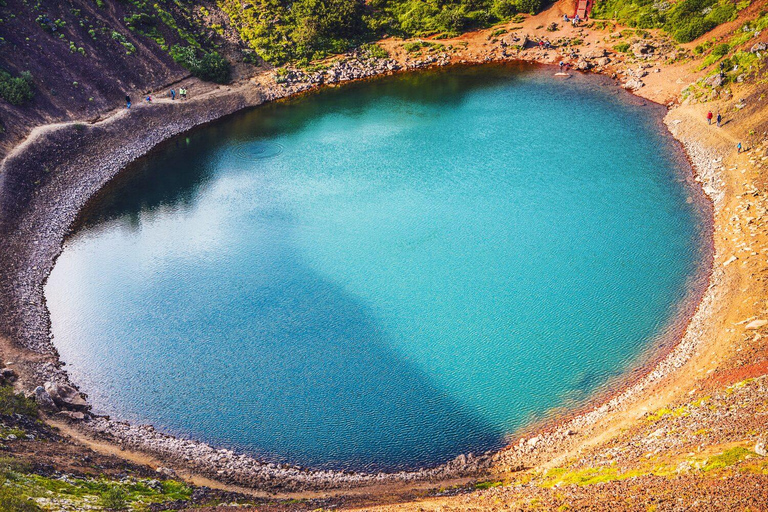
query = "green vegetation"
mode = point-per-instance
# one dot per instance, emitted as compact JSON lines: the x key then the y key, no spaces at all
{"x":374,"y":51}
{"x":12,"y":403}
{"x":416,"y":46}
{"x":585,"y":476}
{"x":685,"y":20}
{"x":488,"y":484}
{"x":281,"y":31}
{"x":622,"y":47}
{"x":211,"y":66}
{"x":728,"y":458}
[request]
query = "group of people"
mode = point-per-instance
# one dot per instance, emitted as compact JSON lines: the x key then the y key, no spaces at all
{"x":719,"y":120}
{"x":544,"y":44}
{"x":182,"y":93}
{"x":710,"y":116}
{"x":148,"y":98}
{"x":575,"y":20}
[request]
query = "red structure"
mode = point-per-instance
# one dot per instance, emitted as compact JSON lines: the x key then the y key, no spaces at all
{"x":584,"y":9}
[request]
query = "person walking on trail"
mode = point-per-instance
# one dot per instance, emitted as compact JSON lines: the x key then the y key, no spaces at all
{"x":127,"y":101}
{"x":738,"y":147}
{"x":173,"y":94}
{"x":719,"y":119}
{"x":709,"y":117}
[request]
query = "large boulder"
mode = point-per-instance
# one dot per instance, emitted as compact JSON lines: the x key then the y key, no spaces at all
{"x":715,"y":80}
{"x":758,"y":47}
{"x":595,"y":53}
{"x":43,"y":399}
{"x":66,"y":396}
{"x":634,"y":84}
{"x":760,"y":446}
{"x":641,"y":49}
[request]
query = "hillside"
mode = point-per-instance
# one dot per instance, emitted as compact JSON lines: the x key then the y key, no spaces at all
{"x":689,"y":434}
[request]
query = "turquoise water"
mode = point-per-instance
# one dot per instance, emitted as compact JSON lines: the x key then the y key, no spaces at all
{"x":387,"y":274}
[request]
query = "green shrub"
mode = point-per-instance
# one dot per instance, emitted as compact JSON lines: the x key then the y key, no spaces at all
{"x":374,"y":51}
{"x":13,"y":403}
{"x":16,"y":90}
{"x":113,"y":499}
{"x":528,"y":6}
{"x":503,"y":9}
{"x":622,"y":47}
{"x":721,"y":50}
{"x":12,"y":501}
{"x":211,"y":67}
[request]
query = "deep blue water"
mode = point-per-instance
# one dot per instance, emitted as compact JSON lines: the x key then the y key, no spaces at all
{"x":387,"y":274}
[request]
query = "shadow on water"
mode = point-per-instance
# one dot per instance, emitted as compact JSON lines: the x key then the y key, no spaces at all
{"x":291,"y":368}
{"x":305,"y":376}
{"x":187,"y":159}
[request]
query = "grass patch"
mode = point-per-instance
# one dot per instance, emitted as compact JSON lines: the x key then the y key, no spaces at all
{"x":416,"y":46}
{"x":488,"y":484}
{"x":14,"y":403}
{"x":684,"y":20}
{"x":728,"y":458}
{"x":586,"y":476}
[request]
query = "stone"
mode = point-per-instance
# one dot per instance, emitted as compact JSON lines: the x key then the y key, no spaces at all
{"x":715,"y":80}
{"x":756,"y":324}
{"x":603,"y":61}
{"x":760,"y":447}
{"x":597,"y":53}
{"x":8,"y":375}
{"x":641,"y":49}
{"x":167,"y":472}
{"x":758,"y":47}
{"x":634,"y":84}
{"x":155,"y":485}
{"x":43,"y":399}
{"x":66,"y":396}
{"x":72,"y":415}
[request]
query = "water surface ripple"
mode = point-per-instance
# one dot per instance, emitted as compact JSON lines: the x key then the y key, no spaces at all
{"x":384,"y":275}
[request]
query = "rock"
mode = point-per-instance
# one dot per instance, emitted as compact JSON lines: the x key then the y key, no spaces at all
{"x":73,"y":415}
{"x":167,"y":472}
{"x":8,"y":375}
{"x":715,"y":80}
{"x":597,"y":53}
{"x":43,"y":399}
{"x":641,"y":49}
{"x":603,"y":61}
{"x":758,"y":47}
{"x":66,"y":396}
{"x":760,"y":447}
{"x":634,"y":84}
{"x":155,"y":485}
{"x":756,"y":324}
{"x":532,"y":442}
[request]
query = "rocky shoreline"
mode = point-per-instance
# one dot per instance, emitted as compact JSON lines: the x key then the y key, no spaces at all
{"x":45,"y":182}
